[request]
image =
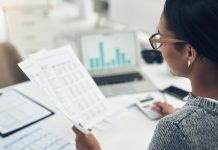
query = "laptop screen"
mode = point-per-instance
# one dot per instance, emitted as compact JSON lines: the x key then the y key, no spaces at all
{"x":108,"y":50}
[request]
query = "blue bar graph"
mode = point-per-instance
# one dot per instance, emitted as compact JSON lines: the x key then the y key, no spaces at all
{"x":97,"y":65}
{"x":118,"y":56}
{"x":91,"y":61}
{"x":120,"y":59}
{"x":123,"y":58}
{"x":101,"y":48}
{"x":113,"y":62}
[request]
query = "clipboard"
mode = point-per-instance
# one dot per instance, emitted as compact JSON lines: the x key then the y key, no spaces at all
{"x":18,"y":111}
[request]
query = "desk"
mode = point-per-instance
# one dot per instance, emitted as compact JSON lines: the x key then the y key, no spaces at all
{"x":134,"y":131}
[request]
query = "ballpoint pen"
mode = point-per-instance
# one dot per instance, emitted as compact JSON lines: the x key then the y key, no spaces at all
{"x":165,"y":101}
{"x":164,"y":97}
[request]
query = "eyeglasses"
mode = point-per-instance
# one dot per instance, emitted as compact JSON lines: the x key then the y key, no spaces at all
{"x":156,"y":41}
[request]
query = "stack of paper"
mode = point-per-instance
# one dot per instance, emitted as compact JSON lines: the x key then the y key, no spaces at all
{"x":60,"y":73}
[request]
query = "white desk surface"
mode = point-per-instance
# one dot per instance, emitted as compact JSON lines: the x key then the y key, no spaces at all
{"x":134,"y":131}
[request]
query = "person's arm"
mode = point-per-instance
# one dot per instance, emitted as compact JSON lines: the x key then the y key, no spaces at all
{"x":168,"y":136}
{"x":86,"y":142}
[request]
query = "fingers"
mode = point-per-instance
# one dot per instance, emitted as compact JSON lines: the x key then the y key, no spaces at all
{"x":77,"y":131}
{"x":160,"y":104}
{"x":164,"y":108}
{"x":157,"y":108}
{"x":161,"y":107}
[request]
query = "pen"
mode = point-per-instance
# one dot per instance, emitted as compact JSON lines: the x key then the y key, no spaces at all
{"x":164,"y":97}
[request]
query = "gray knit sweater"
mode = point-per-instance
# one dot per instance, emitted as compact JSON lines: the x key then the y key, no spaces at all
{"x":194,"y":127}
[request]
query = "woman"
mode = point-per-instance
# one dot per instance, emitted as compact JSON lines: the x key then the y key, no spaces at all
{"x":187,"y":38}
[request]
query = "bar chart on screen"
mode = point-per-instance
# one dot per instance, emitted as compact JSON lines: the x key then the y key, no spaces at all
{"x":108,"y":51}
{"x":120,"y":59}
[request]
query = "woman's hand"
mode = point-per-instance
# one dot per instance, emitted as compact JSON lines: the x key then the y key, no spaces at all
{"x":85,"y":142}
{"x":164,"y":108}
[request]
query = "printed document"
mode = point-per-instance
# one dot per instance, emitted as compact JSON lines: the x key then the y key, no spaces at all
{"x":72,"y":89}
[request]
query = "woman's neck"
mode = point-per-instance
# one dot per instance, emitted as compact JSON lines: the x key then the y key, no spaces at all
{"x":205,"y":83}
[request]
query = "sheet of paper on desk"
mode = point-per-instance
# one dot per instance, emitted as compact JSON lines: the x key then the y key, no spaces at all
{"x":120,"y":106}
{"x":36,"y":138}
{"x":75,"y":92}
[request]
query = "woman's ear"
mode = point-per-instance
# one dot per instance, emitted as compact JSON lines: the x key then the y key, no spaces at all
{"x":191,"y":54}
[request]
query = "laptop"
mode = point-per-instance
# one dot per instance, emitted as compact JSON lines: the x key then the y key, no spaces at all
{"x":112,"y":59}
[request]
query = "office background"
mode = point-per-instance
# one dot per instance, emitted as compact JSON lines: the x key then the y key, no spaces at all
{"x":34,"y":25}
{"x":31,"y":26}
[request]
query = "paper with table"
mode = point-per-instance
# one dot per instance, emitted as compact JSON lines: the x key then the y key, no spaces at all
{"x":37,"y":138}
{"x":18,"y":111}
{"x":60,"y":73}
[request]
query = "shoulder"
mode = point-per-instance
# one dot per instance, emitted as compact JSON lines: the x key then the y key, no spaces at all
{"x":181,"y":115}
{"x":174,"y":120}
{"x":186,"y":128}
{"x":169,"y":133}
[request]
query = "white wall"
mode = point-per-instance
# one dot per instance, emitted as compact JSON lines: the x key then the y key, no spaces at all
{"x":3,"y":27}
{"x":142,"y":14}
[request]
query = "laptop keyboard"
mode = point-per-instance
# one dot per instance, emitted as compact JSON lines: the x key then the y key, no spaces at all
{"x":114,"y":79}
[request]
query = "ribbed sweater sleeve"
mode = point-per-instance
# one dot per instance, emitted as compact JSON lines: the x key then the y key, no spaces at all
{"x":168,"y":136}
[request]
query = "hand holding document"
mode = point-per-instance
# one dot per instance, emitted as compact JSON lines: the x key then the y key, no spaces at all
{"x":60,"y":73}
